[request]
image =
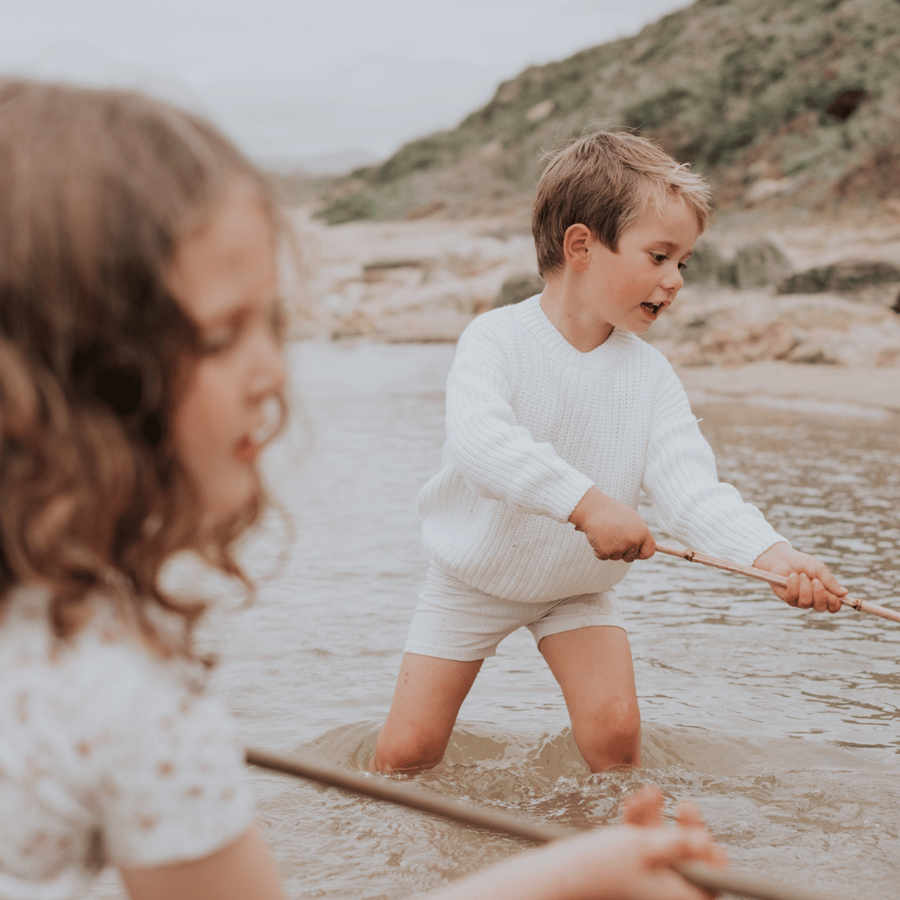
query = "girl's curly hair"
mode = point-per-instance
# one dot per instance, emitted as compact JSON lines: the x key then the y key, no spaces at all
{"x":96,"y":189}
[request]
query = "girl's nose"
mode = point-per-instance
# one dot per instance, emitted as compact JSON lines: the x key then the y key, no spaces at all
{"x":278,"y":373}
{"x":276,"y":369}
{"x":269,"y":369}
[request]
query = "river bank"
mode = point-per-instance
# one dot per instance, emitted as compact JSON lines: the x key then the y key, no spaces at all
{"x":838,"y":390}
{"x":424,"y":280}
{"x":816,"y":298}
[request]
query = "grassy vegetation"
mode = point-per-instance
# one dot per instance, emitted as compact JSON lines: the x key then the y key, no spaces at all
{"x":737,"y":87}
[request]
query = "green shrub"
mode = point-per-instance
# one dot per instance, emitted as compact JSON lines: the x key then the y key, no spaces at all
{"x":353,"y":208}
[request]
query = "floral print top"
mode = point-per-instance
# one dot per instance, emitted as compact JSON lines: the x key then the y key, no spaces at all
{"x":108,"y":754}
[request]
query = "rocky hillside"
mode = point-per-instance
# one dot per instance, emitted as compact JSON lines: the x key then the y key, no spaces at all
{"x":783,"y":105}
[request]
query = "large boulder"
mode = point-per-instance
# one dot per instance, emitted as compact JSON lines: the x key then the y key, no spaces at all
{"x":760,"y":263}
{"x":846,"y":276}
{"x":707,"y":267}
{"x":517,"y":288}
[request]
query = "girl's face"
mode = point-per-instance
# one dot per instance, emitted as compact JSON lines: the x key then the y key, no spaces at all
{"x":224,"y":275}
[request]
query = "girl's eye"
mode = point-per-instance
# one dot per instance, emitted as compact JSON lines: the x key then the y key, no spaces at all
{"x":226,"y":336}
{"x":218,"y":341}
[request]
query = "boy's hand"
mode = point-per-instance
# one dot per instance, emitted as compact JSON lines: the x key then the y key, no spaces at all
{"x":614,"y":530}
{"x":809,"y":582}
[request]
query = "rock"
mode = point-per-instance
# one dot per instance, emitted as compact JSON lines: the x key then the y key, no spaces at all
{"x":442,"y":326}
{"x":845,"y":104}
{"x":842,"y":277}
{"x":517,"y":288}
{"x":540,"y":111}
{"x":355,"y":324}
{"x":422,"y":212}
{"x":741,"y":342}
{"x":813,"y":352}
{"x":768,"y":187}
{"x":707,"y":267}
{"x":760,"y":263}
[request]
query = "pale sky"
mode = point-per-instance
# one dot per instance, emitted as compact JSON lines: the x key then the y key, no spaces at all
{"x":292,"y":79}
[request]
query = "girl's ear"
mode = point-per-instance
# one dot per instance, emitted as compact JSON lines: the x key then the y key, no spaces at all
{"x":576,"y":244}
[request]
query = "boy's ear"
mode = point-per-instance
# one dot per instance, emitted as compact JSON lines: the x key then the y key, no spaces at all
{"x":576,"y":243}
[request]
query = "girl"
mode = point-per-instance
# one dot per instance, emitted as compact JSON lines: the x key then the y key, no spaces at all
{"x":141,"y":374}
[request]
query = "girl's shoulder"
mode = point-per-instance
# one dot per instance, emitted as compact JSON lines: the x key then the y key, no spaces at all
{"x":140,"y":752}
{"x":106,"y":642}
{"x":82,"y":688}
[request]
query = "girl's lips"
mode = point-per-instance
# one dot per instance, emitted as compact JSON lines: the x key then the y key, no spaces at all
{"x":248,"y":448}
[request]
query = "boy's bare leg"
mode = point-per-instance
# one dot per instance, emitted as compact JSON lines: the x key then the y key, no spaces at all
{"x":594,"y":669}
{"x":426,"y":702}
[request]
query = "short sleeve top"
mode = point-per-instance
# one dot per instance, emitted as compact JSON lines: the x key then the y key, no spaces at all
{"x":108,"y":754}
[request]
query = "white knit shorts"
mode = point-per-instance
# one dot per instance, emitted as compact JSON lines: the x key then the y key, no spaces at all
{"x":455,"y":621}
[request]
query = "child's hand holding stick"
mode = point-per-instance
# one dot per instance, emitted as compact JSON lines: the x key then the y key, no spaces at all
{"x":774,"y":579}
{"x":808,"y":583}
{"x":614,"y":530}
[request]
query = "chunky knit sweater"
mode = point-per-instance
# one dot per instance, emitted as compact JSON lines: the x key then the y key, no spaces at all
{"x":532,"y":423}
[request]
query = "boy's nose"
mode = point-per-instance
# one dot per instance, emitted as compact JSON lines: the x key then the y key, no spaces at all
{"x":673,"y":280}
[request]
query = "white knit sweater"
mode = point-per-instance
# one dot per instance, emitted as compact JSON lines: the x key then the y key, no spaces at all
{"x":532,"y":423}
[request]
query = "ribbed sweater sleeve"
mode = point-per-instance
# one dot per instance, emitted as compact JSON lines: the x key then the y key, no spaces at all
{"x":682,"y":483}
{"x":498,"y":457}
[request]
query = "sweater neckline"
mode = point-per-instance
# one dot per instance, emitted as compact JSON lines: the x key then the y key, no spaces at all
{"x":609,"y":354}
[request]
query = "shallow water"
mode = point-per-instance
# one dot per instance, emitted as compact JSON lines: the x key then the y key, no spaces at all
{"x":781,"y":725}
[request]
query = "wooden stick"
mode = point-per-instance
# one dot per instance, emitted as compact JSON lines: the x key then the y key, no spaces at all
{"x":772,"y":578}
{"x":407,"y":795}
{"x":699,"y":874}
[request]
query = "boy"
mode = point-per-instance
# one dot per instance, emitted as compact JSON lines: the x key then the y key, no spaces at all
{"x":558,"y":415}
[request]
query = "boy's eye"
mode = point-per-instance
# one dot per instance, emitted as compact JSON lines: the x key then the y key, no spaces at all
{"x":660,"y":258}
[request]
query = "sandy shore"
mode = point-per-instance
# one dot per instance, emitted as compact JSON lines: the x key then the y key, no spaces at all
{"x":840,"y":390}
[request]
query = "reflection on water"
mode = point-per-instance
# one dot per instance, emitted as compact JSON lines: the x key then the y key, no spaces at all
{"x":781,"y":725}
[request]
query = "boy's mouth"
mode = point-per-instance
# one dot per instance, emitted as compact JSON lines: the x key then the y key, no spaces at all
{"x":653,"y":307}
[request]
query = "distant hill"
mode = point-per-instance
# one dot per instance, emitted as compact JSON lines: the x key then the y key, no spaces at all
{"x":337,"y":163}
{"x":778,"y":103}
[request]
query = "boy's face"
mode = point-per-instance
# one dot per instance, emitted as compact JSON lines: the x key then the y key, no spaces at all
{"x":630,"y":288}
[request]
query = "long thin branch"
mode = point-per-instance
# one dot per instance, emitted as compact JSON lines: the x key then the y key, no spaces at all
{"x":761,"y":574}
{"x":379,"y":788}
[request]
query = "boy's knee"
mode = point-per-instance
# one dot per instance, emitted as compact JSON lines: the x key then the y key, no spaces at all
{"x":407,"y":750}
{"x":611,"y":736}
{"x":624,"y":724}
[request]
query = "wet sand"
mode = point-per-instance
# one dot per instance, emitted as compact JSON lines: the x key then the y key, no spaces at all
{"x":844,"y":391}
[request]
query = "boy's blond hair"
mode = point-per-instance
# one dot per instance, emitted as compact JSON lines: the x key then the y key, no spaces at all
{"x":606,"y":181}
